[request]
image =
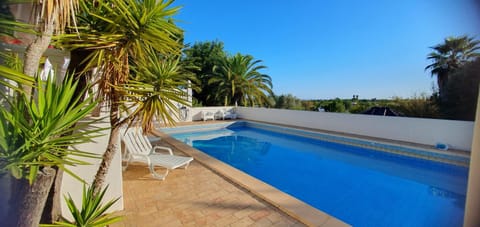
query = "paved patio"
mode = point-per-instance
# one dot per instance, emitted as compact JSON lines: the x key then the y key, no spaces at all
{"x":193,"y":197}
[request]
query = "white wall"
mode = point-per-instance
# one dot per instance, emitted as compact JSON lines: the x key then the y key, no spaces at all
{"x":457,"y":134}
{"x":74,"y":187}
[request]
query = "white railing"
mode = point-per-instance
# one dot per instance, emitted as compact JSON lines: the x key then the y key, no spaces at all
{"x":457,"y":134}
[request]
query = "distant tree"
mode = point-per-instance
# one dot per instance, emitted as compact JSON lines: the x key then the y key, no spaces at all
{"x":450,"y":56}
{"x":308,"y":105}
{"x":288,"y":102}
{"x":421,"y":106}
{"x":271,"y":101}
{"x":280,"y":102}
{"x":336,"y":105}
{"x":360,"y":107}
{"x":463,"y":93}
{"x":200,"y":60}
{"x":238,"y":81}
{"x":347,"y":103}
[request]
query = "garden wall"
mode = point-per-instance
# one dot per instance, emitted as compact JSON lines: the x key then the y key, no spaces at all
{"x":457,"y":134}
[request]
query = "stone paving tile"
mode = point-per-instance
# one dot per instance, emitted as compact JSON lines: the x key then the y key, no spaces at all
{"x":192,"y":197}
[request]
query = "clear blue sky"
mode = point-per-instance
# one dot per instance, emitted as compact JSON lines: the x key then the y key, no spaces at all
{"x":317,"y":49}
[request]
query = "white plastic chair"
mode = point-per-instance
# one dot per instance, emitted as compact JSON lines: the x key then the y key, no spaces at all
{"x":206,"y":115}
{"x":140,"y":149}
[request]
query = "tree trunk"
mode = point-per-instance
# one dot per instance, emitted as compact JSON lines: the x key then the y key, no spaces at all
{"x":112,"y":148}
{"x":27,"y":204}
{"x":442,"y":81}
{"x":53,"y":209}
{"x":36,"y":49}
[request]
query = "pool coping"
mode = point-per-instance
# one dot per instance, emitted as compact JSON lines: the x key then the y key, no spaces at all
{"x":286,"y":203}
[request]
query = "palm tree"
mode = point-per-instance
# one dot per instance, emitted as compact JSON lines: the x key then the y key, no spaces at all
{"x":450,"y":56}
{"x":239,"y":81}
{"x":200,"y":58}
{"x":121,"y":34}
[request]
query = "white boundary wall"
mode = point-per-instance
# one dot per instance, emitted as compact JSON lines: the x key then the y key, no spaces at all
{"x":457,"y":134}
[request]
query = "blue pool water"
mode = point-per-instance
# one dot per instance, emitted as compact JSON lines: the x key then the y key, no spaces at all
{"x":362,"y":187}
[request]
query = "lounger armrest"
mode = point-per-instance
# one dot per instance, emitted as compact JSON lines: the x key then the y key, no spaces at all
{"x":162,"y":148}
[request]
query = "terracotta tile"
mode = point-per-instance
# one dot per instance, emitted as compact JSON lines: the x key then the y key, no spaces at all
{"x":259,"y":214}
{"x":242,"y":213}
{"x":262,"y":222}
{"x":225,"y":221}
{"x":193,"y":197}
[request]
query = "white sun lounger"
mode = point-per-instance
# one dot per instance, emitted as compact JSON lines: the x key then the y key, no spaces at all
{"x":140,"y":149}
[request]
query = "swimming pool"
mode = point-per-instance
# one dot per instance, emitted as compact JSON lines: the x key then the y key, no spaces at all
{"x":360,"y":186}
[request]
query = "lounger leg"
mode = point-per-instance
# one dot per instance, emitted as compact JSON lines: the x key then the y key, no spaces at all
{"x":156,"y":175}
{"x":124,"y":167}
{"x":186,"y":166}
{"x":127,"y":158}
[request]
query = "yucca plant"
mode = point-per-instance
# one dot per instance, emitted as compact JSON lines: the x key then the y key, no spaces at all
{"x":38,"y":132}
{"x":37,"y":119}
{"x":36,"y":135}
{"x":158,"y":87}
{"x":92,"y":213}
{"x":118,"y":33}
